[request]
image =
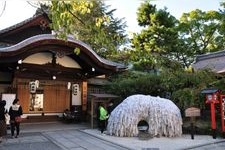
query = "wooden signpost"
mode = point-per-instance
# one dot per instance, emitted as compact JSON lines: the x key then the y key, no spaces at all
{"x":192,"y":112}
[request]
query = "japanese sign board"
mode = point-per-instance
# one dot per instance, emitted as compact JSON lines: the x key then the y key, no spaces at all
{"x":192,"y":112}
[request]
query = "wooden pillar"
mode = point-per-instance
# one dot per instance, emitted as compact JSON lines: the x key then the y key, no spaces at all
{"x":84,"y":96}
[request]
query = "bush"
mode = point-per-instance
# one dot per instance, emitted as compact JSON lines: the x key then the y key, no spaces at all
{"x":136,"y":83}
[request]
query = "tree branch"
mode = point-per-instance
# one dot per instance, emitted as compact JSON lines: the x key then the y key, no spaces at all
{"x":73,"y":14}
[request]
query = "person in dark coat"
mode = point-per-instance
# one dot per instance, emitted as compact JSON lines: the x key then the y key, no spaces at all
{"x":110,"y":107}
{"x":3,"y":128}
{"x":15,"y":111}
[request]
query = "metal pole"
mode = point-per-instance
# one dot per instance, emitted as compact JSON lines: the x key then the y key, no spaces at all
{"x":192,"y":128}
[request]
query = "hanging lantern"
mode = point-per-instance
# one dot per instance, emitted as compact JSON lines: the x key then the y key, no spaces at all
{"x":68,"y":85}
{"x":75,"y":89}
{"x":32,"y":87}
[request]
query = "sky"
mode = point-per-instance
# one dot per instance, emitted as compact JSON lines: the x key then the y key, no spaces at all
{"x":19,"y":10}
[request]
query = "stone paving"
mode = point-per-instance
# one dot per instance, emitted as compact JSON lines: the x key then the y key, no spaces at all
{"x":184,"y":142}
{"x":75,"y":139}
{"x":56,"y":137}
{"x":28,"y":141}
{"x":60,"y":136}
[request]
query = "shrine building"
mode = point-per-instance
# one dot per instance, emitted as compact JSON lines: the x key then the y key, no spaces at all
{"x":44,"y":72}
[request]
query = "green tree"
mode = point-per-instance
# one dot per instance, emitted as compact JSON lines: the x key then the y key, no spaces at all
{"x":183,"y":86}
{"x":91,"y":22}
{"x":166,"y":39}
{"x":157,"y":42}
{"x":201,"y":32}
{"x":135,"y":82}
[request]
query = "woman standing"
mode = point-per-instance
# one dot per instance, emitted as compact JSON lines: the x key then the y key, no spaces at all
{"x":15,"y":111}
{"x":3,"y":129}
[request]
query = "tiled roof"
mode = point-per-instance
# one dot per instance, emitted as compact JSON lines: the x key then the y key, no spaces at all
{"x":210,"y":55}
{"x":214,"y":61}
{"x":49,"y":36}
{"x":19,"y":24}
{"x":42,"y":37}
{"x":105,"y":61}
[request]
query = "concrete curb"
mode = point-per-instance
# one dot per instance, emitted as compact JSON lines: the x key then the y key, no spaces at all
{"x":202,"y":145}
{"x":54,"y":141}
{"x":101,"y":138}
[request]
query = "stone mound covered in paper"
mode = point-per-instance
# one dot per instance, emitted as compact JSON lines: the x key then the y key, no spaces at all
{"x":162,"y":115}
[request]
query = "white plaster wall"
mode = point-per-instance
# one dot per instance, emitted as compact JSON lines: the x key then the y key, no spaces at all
{"x":45,"y":57}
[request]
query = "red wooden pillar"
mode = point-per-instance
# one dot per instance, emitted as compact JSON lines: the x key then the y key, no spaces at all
{"x":222,"y":112}
{"x":213,"y":99}
{"x":213,"y":116}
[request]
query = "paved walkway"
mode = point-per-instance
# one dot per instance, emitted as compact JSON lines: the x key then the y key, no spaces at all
{"x":29,"y":141}
{"x":178,"y":143}
{"x":60,"y":136}
{"x":56,"y":136}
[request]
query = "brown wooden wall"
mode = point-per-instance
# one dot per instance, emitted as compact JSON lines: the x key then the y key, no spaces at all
{"x":23,"y":94}
{"x":56,"y":96}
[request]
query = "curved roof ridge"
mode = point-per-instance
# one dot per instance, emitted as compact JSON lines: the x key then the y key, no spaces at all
{"x":69,"y":39}
{"x":96,"y":55}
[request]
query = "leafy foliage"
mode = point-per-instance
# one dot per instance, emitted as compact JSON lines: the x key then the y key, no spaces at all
{"x":90,"y":22}
{"x":200,"y":33}
{"x":157,"y":41}
{"x":185,"y":87}
{"x":161,"y":50}
{"x":135,"y":83}
{"x":164,"y":37}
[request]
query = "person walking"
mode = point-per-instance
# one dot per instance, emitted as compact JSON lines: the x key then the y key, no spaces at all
{"x":3,"y":128}
{"x":103,"y":115}
{"x":15,"y":112}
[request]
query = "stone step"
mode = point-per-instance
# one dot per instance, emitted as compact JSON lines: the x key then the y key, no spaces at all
{"x":50,"y":118}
